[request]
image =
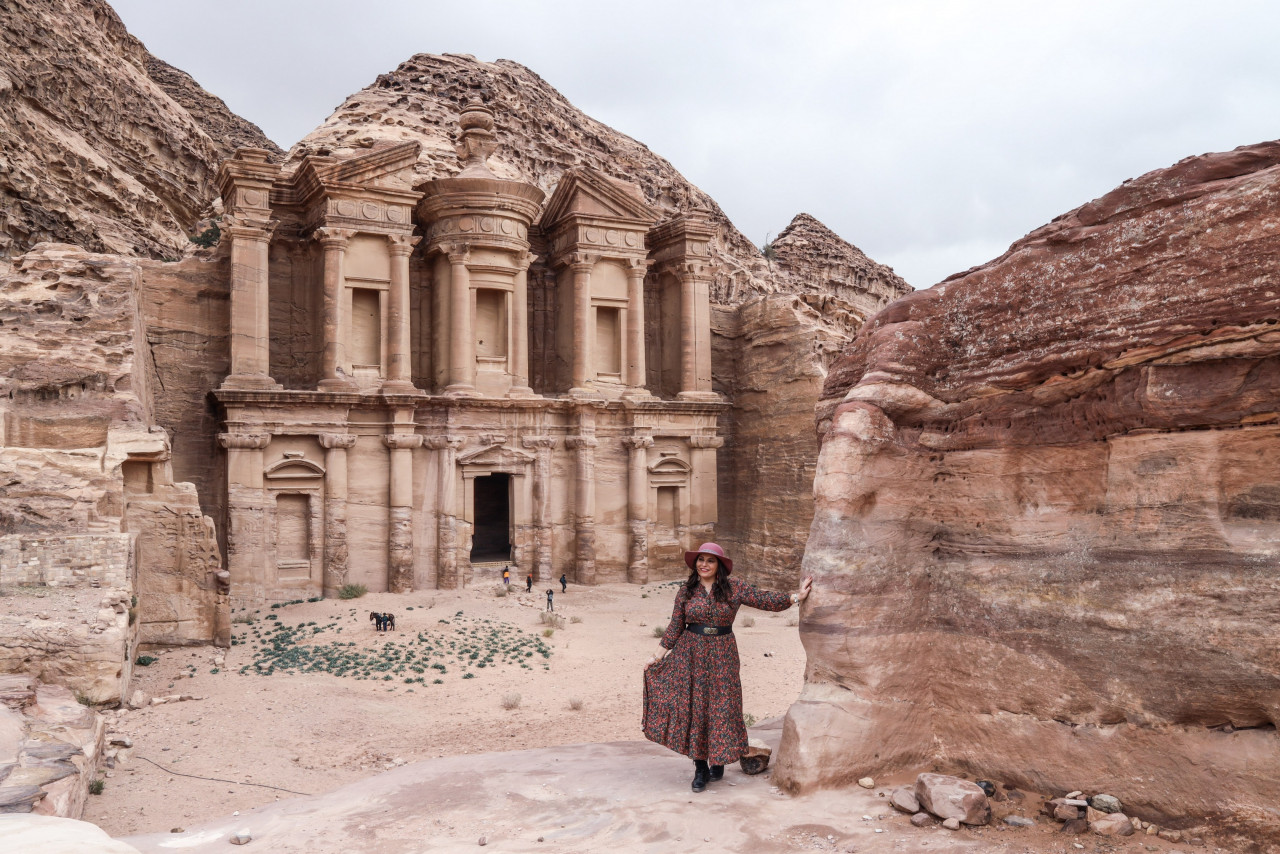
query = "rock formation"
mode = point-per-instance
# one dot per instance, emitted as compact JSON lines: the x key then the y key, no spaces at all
{"x":90,"y":499}
{"x":93,"y":150}
{"x":1046,"y":526}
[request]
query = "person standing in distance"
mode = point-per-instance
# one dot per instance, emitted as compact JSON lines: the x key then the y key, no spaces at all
{"x":564,"y":583}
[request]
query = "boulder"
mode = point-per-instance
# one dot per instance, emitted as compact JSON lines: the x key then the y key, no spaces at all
{"x":904,"y":799}
{"x":756,"y":759}
{"x":951,"y":797}
{"x":54,"y":835}
{"x":1111,"y":824}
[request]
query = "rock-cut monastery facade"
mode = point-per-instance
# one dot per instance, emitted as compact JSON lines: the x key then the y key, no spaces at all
{"x":428,"y":382}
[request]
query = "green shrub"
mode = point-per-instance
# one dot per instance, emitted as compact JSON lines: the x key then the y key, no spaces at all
{"x":352,"y":591}
{"x":208,"y":237}
{"x":145,"y":660}
{"x":96,"y":787}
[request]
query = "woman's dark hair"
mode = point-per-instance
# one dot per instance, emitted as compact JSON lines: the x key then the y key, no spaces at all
{"x":720,"y":589}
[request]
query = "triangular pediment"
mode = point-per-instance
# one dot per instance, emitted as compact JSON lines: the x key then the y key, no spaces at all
{"x":386,"y":167}
{"x":588,"y":193}
{"x":496,"y":457}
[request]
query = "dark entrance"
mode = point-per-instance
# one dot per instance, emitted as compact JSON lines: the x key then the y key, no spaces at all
{"x":491,"y":540}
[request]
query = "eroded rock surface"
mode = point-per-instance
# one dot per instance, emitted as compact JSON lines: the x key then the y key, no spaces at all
{"x":1047,"y":519}
{"x":95,"y":151}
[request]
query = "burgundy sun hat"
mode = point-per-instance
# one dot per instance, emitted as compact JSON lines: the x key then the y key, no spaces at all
{"x":709,"y":549}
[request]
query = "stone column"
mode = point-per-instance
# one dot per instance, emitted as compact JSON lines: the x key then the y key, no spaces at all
{"x":582,"y":345}
{"x":399,"y":379}
{"x":250,"y":307}
{"x":638,"y":507}
{"x":635,"y":378}
{"x":584,"y":504}
{"x":542,"y":446}
{"x":520,"y":328}
{"x":400,"y":511}
{"x":702,"y":462}
{"x":447,"y":510}
{"x":335,"y":447}
{"x":332,"y":357}
{"x":247,"y":535}
{"x":462,"y":338}
{"x":688,"y":330}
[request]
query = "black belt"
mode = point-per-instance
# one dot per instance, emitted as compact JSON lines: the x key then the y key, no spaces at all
{"x":701,"y":629}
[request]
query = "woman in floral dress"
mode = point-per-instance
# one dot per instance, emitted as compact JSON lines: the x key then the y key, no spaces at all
{"x":693,"y":689}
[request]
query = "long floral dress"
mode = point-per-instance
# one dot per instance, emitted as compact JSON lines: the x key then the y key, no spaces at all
{"x":693,"y":698}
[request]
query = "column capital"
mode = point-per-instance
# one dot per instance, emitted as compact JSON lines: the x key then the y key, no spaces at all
{"x":581,"y":262}
{"x":337,"y":441}
{"x":439,"y":443}
{"x":524,"y":260}
{"x":401,"y":245}
{"x":402,"y":441}
{"x":245,"y":228}
{"x":694,"y":270}
{"x":250,"y":441}
{"x":458,"y":253}
{"x":575,"y":443}
{"x":638,"y":443}
{"x":706,"y":441}
{"x":638,"y":266}
{"x":332,"y":238}
{"x":539,"y":442}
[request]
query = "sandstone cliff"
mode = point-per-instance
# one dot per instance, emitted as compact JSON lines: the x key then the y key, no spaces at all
{"x":1046,"y":528}
{"x":93,"y":150}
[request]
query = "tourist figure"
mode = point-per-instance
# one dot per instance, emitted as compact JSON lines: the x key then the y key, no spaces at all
{"x":551,"y":605}
{"x":528,"y":583}
{"x":506,"y":576}
{"x":692,"y":684}
{"x":564,"y":583}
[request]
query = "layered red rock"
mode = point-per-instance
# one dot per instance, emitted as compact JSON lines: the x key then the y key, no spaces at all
{"x":96,"y":152}
{"x":1046,"y":523}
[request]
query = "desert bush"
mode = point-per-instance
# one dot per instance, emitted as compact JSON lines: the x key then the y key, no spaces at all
{"x":552,"y":619}
{"x":96,"y":787}
{"x":145,"y":660}
{"x":748,"y":621}
{"x":575,"y":619}
{"x":352,"y":591}
{"x":575,"y":703}
{"x":749,"y":719}
{"x":511,"y":700}
{"x":501,"y":590}
{"x":659,"y":631}
{"x":546,"y":633}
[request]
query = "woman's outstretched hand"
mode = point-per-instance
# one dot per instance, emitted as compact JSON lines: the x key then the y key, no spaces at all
{"x":805,"y":586}
{"x":657,"y":657}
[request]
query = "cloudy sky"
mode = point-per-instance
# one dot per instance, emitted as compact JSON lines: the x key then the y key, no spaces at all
{"x":931,"y":134}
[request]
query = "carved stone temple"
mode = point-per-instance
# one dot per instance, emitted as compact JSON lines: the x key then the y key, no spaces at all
{"x":429,"y":378}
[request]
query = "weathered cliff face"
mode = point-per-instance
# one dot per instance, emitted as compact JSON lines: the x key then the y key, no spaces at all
{"x":1047,"y":524}
{"x":89,"y":497}
{"x":93,"y":151}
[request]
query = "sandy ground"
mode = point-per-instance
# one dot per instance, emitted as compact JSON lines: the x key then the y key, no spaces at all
{"x":311,"y":733}
{"x":424,"y":767}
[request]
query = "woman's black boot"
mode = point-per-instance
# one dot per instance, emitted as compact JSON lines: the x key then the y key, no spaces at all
{"x":701,"y":773}
{"x":717,"y":773}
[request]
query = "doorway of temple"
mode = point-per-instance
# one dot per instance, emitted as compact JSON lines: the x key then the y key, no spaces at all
{"x":491,"y":538}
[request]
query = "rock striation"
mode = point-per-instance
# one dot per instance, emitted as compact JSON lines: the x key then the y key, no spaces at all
{"x":1046,"y":526}
{"x":94,"y":150}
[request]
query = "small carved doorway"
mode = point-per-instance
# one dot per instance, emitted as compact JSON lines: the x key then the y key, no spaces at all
{"x":491,"y":538}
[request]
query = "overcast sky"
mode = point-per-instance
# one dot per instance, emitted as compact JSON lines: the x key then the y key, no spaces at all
{"x":929,"y":134}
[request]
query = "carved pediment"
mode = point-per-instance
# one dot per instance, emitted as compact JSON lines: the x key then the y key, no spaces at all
{"x":294,"y":468}
{"x":498,"y":457}
{"x":588,"y":193}
{"x":669,"y":465}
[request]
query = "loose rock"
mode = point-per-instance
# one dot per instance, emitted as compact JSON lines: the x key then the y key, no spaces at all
{"x":951,"y":797}
{"x":867,"y":783}
{"x":1105,"y":803}
{"x":905,"y":799}
{"x":951,"y":824}
{"x":922,"y":819}
{"x":1112,"y":824}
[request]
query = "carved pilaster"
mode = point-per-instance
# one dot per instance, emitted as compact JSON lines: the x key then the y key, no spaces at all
{"x":399,"y":369}
{"x":638,"y":506}
{"x":399,"y":511}
{"x":334,"y":241}
{"x":447,"y":511}
{"x":542,"y":447}
{"x":584,"y":445}
{"x":336,"y":446}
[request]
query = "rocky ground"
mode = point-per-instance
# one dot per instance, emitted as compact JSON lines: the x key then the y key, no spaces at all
{"x":427,"y":766}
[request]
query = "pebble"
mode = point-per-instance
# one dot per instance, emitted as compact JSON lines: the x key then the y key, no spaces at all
{"x":241,"y":838}
{"x":867,"y":783}
{"x":1018,"y":821}
{"x":921,"y":819}
{"x":483,"y":841}
{"x":1074,"y":794}
{"x":952,"y":823}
